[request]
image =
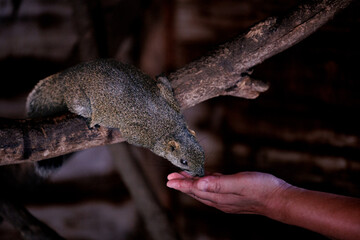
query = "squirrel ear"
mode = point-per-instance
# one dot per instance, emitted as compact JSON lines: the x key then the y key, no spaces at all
{"x":173,"y":145}
{"x":192,"y":132}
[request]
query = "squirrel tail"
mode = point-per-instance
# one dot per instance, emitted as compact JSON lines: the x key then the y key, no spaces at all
{"x":47,"y":167}
{"x":47,"y":98}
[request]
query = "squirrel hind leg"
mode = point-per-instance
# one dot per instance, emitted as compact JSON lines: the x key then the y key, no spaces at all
{"x":81,"y":105}
{"x":167,"y":92}
{"x":77,"y":102}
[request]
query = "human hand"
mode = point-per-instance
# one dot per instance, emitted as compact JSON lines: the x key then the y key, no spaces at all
{"x":244,"y":192}
{"x":332,"y":215}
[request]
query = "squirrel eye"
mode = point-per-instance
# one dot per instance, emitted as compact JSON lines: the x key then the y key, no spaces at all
{"x":183,"y":162}
{"x":172,"y":148}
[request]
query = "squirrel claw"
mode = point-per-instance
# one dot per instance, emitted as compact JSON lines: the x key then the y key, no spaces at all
{"x":90,"y":125}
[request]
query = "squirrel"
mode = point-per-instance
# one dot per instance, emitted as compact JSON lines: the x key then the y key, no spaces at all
{"x":113,"y":94}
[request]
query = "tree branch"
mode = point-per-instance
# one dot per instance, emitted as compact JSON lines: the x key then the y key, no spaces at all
{"x":214,"y":75}
{"x":30,"y":227}
{"x":220,"y":73}
{"x":37,"y":139}
{"x":156,"y":221}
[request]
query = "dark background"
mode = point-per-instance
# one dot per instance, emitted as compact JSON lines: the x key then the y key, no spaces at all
{"x":304,"y":129}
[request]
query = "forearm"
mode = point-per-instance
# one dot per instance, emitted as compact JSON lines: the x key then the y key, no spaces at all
{"x":332,"y":215}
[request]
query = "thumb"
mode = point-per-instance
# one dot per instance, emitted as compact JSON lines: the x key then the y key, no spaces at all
{"x":217,"y":184}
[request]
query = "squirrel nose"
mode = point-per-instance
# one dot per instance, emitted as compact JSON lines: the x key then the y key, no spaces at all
{"x":200,"y":172}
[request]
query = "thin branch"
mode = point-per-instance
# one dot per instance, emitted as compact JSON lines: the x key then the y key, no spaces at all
{"x":156,"y":220}
{"x":29,"y":227}
{"x":220,"y":73}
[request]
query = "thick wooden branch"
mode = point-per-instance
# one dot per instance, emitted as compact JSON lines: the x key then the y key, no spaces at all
{"x":220,"y":73}
{"x":37,"y":139}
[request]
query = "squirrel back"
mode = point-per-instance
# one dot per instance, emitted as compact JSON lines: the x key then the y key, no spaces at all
{"x":117,"y":95}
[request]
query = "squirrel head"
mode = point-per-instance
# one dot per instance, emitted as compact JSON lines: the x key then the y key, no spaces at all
{"x":182,"y":150}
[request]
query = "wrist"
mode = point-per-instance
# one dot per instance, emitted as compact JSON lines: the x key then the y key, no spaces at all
{"x":277,"y":200}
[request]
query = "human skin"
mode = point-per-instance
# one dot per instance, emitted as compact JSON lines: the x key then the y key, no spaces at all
{"x":332,"y":215}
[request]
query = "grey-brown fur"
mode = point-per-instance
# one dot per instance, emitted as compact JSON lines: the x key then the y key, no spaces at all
{"x":116,"y":95}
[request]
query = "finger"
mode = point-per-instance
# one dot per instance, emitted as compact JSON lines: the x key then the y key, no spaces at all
{"x":204,"y":201}
{"x":188,"y":186}
{"x":216,"y":200}
{"x":185,"y":174}
{"x":184,"y":185}
{"x":175,"y":175}
{"x":215,"y":183}
{"x":179,"y":175}
{"x":207,"y":173}
{"x":207,"y":184}
{"x":228,"y":184}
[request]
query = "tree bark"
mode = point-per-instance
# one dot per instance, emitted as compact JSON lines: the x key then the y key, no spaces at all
{"x":37,"y":139}
{"x":223,"y":72}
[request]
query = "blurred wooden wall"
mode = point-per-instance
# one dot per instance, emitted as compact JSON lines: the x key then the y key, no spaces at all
{"x":304,"y":129}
